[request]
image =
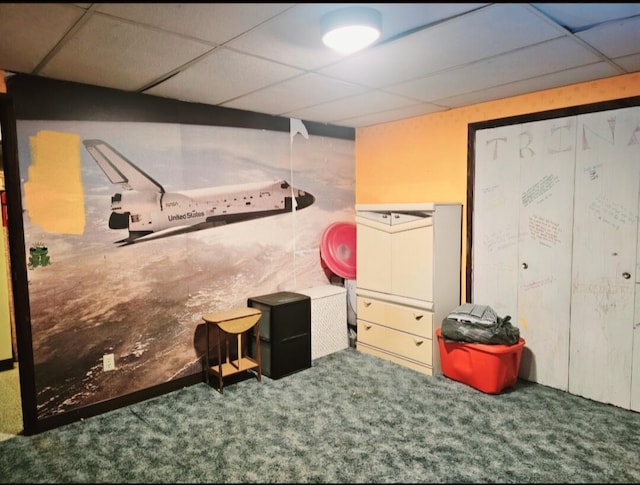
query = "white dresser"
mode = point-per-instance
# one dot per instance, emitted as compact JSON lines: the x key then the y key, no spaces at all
{"x":408,"y":279}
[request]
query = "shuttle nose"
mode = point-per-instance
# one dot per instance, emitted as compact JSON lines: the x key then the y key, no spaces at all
{"x":304,"y":199}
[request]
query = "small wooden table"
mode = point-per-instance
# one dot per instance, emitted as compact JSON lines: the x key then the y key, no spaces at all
{"x":233,"y":322}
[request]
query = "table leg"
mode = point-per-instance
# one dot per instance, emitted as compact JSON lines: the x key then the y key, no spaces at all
{"x":206,"y":358}
{"x":259,"y":357}
{"x":220,"y":363}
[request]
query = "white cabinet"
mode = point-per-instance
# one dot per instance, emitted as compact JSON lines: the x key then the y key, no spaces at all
{"x":388,"y":241}
{"x":408,"y":260}
{"x":555,"y":244}
{"x":328,"y":319}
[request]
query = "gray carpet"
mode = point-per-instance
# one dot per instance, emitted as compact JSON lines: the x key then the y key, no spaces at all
{"x":351,"y":418}
{"x":11,"y":407}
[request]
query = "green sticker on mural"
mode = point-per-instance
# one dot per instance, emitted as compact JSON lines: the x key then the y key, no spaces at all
{"x":39,"y":256}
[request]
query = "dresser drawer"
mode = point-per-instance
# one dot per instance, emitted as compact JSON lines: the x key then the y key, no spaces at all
{"x":404,"y":318}
{"x":417,"y":366}
{"x":403,"y":344}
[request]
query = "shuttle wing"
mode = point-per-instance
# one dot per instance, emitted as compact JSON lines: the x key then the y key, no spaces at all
{"x":119,"y":170}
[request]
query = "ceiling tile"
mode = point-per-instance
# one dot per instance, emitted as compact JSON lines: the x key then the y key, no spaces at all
{"x":576,"y":16}
{"x":29,"y":31}
{"x":213,"y":22}
{"x":358,"y":105}
{"x":580,"y":74}
{"x":303,"y":91}
{"x":391,"y":115}
{"x":544,"y":58}
{"x":399,"y":19}
{"x":615,"y":39}
{"x":208,"y":81}
{"x":112,"y":53}
{"x":629,"y":63}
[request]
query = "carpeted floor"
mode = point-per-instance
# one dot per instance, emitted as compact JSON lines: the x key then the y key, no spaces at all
{"x":10,"y":407}
{"x":350,"y":418}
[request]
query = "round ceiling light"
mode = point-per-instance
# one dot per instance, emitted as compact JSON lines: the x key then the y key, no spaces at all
{"x":351,"y":29}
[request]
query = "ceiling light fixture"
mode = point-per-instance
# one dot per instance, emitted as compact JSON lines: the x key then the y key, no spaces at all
{"x":351,"y":29}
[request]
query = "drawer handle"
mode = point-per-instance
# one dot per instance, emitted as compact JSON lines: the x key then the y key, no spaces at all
{"x":367,"y":327}
{"x":418,"y":316}
{"x":367,"y":303}
{"x":418,"y":342}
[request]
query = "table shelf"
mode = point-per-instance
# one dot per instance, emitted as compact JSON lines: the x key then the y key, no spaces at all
{"x":230,"y":368}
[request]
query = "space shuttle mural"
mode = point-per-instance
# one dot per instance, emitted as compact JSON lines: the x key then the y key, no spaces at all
{"x":148,"y":211}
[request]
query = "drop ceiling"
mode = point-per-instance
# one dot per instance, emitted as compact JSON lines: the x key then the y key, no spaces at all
{"x":268,"y":57}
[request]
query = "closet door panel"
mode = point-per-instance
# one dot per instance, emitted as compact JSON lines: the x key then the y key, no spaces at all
{"x":604,"y":254}
{"x":495,"y":219}
{"x":635,"y":362}
{"x":634,"y":144}
{"x":547,"y":161}
{"x":635,"y":365}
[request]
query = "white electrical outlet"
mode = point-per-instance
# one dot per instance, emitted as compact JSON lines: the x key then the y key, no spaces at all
{"x":108,"y":362}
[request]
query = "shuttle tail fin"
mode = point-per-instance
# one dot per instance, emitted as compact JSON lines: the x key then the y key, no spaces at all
{"x":120,"y":170}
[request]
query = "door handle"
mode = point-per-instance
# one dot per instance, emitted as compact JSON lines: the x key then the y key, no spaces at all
{"x":626,"y":275}
{"x":525,"y":265}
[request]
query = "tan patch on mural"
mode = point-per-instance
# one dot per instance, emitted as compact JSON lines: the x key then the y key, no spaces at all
{"x":53,"y":194}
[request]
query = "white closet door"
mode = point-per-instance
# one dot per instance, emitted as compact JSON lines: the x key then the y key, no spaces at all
{"x":523,"y":203}
{"x":496,"y":198}
{"x":635,"y":363}
{"x":547,"y":161}
{"x":604,"y":253}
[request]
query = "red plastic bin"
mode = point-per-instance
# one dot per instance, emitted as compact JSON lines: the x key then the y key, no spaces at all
{"x":488,"y":368}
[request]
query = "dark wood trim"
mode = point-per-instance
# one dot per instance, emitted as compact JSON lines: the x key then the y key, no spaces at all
{"x":471,"y":150}
{"x":18,"y":259}
{"x":41,"y":98}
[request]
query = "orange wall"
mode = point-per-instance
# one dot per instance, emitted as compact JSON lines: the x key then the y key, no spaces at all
{"x":424,"y":159}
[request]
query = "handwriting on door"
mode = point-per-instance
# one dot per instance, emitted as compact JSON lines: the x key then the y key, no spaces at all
{"x":540,"y":190}
{"x":545,"y":231}
{"x":538,"y":283}
{"x":611,"y":212}
{"x":500,"y":240}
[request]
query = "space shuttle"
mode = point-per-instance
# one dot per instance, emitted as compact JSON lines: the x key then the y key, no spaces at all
{"x":147,"y":211}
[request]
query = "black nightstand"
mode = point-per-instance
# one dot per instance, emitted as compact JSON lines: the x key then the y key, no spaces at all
{"x":285,"y":333}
